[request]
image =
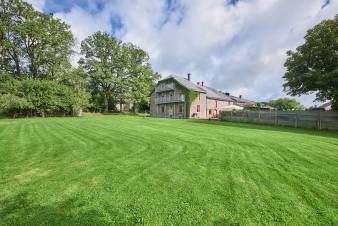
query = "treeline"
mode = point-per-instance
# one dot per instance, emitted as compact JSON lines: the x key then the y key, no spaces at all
{"x":38,"y":79}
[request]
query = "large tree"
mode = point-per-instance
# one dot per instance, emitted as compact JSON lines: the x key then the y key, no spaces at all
{"x":286,"y":104}
{"x":313,"y":67}
{"x":141,"y":76}
{"x":36,"y":77}
{"x":103,"y":61}
{"x":32,"y":43}
{"x":116,"y":70}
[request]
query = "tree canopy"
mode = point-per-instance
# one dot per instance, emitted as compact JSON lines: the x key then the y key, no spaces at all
{"x":37,"y":77}
{"x":33,"y":44}
{"x":313,"y":67}
{"x":286,"y":104}
{"x":35,"y":71}
{"x":116,"y":70}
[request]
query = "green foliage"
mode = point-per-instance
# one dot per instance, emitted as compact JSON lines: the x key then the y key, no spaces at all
{"x":286,"y":104}
{"x":116,"y":70}
{"x":313,"y":67}
{"x":33,"y":43}
{"x":189,"y":95}
{"x":30,"y":97}
{"x":37,"y":46}
{"x":36,"y":75}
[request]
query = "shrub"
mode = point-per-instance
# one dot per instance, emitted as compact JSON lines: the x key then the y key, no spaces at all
{"x":30,"y":97}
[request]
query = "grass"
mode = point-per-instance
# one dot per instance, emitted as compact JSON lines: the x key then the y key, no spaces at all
{"x":123,"y":170}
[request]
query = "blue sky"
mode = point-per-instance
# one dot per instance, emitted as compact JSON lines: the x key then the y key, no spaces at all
{"x":236,"y":46}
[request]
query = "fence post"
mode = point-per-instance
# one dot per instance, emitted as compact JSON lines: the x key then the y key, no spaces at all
{"x":319,"y":120}
{"x":296,"y":119}
{"x":276,"y":118}
{"x":259,"y":116}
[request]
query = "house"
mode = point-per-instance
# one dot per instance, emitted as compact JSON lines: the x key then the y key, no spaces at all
{"x":326,"y":106}
{"x":178,"y":97}
{"x":245,"y":103}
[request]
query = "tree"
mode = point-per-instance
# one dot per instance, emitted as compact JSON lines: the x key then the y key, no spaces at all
{"x":286,"y":104}
{"x":313,"y":67}
{"x":36,"y":77}
{"x":116,"y":70}
{"x":36,"y":97}
{"x":33,"y":43}
{"x":141,"y":77}
{"x":103,"y":62}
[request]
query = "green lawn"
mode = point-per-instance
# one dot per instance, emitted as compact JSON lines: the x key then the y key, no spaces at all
{"x":124,"y":170}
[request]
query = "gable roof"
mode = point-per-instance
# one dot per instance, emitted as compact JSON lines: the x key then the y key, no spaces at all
{"x":326,"y":105}
{"x":185,"y":83}
{"x":211,"y":92}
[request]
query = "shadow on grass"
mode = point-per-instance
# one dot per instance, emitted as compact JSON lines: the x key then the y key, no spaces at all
{"x":323,"y":133}
{"x":20,"y":210}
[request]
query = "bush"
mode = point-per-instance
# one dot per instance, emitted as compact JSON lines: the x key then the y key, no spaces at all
{"x":30,"y":97}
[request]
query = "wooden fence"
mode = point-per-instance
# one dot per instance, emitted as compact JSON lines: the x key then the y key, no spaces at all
{"x":321,"y":120}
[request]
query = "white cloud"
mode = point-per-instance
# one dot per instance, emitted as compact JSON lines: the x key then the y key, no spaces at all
{"x":37,"y":4}
{"x":238,"y":48}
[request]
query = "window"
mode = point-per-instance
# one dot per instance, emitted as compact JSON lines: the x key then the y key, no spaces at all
{"x":210,"y":111}
{"x":199,"y":96}
{"x":162,"y":109}
{"x":180,"y":108}
{"x":216,"y":103}
{"x":198,"y":108}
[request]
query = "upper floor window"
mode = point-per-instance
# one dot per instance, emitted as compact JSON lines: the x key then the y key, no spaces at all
{"x":216,"y":103}
{"x":198,"y":108}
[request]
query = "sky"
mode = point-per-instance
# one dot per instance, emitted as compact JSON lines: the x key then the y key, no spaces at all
{"x":237,"y":46}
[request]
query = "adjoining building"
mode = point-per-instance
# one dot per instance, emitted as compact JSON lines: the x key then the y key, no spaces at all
{"x":327,"y":106}
{"x":178,"y":97}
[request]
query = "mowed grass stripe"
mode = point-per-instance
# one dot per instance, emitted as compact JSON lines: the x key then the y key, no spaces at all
{"x":132,"y":170}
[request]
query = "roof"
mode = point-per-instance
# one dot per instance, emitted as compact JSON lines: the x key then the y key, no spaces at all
{"x":328,"y":104}
{"x":185,"y":82}
{"x":211,"y":92}
{"x":215,"y":94}
{"x":240,"y":99}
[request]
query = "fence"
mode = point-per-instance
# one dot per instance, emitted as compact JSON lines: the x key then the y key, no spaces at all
{"x":321,"y":120}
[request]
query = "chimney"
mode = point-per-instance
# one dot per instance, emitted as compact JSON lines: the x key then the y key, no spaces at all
{"x":240,"y":96}
{"x":227,"y":94}
{"x":198,"y":83}
{"x":202,"y":83}
{"x":189,"y":76}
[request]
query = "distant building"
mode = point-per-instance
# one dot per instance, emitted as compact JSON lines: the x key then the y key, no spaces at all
{"x":326,"y":106}
{"x":169,"y":100}
{"x":125,"y":107}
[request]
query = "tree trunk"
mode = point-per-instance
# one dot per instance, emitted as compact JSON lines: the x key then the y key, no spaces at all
{"x":105,"y":100}
{"x":134,"y":108}
{"x":17,"y":65}
{"x":120,"y":106}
